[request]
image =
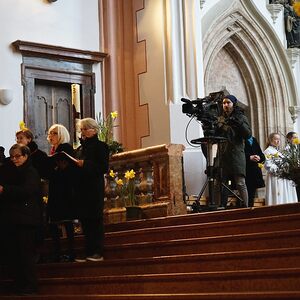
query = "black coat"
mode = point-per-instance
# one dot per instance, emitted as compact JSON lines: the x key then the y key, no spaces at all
{"x":20,"y":200}
{"x":90,"y":180}
{"x":235,"y":128}
{"x":39,"y":159}
{"x":61,"y":198}
{"x":254,"y":178}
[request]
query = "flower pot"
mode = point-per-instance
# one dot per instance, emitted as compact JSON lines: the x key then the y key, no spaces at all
{"x":134,"y":213}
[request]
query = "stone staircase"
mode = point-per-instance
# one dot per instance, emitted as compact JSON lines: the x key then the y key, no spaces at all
{"x":250,"y":253}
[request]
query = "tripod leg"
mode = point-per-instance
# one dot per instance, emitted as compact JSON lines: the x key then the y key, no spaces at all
{"x":231,"y":191}
{"x":202,"y":190}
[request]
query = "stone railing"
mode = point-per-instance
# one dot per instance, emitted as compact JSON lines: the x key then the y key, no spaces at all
{"x":158,"y":181}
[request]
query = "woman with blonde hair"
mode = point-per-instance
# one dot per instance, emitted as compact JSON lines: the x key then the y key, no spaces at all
{"x":278,"y":190}
{"x":92,"y":158}
{"x":60,"y":208}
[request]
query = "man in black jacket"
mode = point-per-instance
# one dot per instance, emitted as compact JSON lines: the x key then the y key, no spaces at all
{"x":234,"y":126}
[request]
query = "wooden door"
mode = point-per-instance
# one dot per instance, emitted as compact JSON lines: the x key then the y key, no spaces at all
{"x":52,"y":103}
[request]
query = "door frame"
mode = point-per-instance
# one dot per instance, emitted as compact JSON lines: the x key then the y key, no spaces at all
{"x":58,"y":64}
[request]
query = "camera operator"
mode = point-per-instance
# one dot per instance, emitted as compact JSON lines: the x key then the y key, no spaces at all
{"x":234,"y":126}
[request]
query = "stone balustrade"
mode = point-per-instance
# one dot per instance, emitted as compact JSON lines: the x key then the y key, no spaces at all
{"x":158,"y":182}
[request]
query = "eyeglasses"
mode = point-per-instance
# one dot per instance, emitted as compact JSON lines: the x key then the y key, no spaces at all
{"x":85,"y":129}
{"x":17,"y":156}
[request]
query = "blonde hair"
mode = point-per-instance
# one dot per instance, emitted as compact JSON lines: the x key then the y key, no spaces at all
{"x":270,"y":138}
{"x":62,"y":133}
{"x":89,"y":123}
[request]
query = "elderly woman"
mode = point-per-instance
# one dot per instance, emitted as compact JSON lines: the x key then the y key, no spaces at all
{"x":19,"y":216}
{"x":60,"y":206}
{"x":93,"y":162}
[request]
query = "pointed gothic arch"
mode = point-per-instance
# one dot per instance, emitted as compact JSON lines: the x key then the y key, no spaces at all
{"x":259,"y":57}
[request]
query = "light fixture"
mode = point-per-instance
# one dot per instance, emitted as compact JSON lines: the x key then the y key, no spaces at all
{"x":6,"y":96}
{"x":52,"y":0}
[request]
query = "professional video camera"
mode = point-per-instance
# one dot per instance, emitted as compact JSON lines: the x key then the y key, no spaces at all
{"x":206,"y":110}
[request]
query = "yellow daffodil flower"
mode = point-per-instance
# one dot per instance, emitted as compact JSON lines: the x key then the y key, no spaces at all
{"x":45,"y":199}
{"x":22,"y":125}
{"x":129,"y":174}
{"x":112,"y":173}
{"x":114,"y":114}
{"x":276,"y":155}
{"x":119,"y":182}
{"x":297,"y":8}
{"x":260,"y":165}
{"x":296,"y":141}
{"x":268,"y":156}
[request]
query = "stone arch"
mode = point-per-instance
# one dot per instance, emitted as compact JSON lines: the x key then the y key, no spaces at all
{"x":242,"y":34}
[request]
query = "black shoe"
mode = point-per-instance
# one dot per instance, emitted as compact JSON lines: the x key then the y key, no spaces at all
{"x":66,"y":258}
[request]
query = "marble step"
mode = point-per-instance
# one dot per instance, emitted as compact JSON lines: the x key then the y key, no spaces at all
{"x":182,"y":296}
{"x":270,"y":280}
{"x":217,"y":228}
{"x":222,"y":261}
{"x":205,"y":217}
{"x":226,"y":243}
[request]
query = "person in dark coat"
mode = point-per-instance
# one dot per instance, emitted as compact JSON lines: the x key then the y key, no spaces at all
{"x":38,"y":157}
{"x":254,"y":178}
{"x":20,"y":215}
{"x":290,"y":137}
{"x":234,"y":126}
{"x":40,"y":161}
{"x":93,"y":156}
{"x":61,"y":207}
{"x":2,"y":155}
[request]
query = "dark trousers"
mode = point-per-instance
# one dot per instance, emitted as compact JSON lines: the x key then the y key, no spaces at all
{"x":19,"y":251}
{"x":251,"y":195}
{"x":93,"y":230}
{"x":55,"y":235}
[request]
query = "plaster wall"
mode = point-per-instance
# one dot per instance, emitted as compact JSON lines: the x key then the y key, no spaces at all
{"x":71,"y":24}
{"x":168,"y":124}
{"x":152,"y":84}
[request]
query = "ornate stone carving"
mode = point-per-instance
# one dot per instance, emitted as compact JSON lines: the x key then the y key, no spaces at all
{"x":294,"y":111}
{"x":158,"y":177}
{"x":274,"y":9}
{"x":293,"y":55}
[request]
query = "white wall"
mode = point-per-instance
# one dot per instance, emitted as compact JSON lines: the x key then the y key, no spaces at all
{"x":68,"y":23}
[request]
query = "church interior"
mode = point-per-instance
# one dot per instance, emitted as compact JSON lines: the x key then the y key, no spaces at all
{"x":128,"y":64}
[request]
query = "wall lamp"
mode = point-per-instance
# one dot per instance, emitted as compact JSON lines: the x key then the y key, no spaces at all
{"x":6,"y":96}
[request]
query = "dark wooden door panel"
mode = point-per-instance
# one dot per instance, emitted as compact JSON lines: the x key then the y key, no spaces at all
{"x":52,"y":103}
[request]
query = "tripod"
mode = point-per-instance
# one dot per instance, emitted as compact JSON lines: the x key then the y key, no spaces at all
{"x":210,"y":171}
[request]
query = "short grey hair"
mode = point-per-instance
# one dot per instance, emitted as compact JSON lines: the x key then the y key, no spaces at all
{"x":62,"y":133}
{"x":89,"y":123}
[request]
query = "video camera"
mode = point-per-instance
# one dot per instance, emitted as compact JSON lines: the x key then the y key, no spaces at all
{"x":206,"y":110}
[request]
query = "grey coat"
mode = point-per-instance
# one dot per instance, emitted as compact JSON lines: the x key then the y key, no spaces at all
{"x":235,"y":128}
